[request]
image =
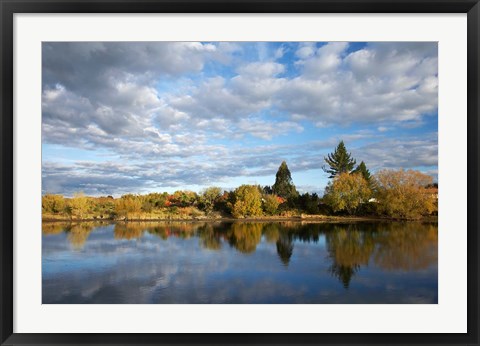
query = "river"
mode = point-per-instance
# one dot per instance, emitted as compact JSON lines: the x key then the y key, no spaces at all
{"x":239,"y":262}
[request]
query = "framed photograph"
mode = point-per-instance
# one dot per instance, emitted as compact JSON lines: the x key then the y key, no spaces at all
{"x":239,"y":173}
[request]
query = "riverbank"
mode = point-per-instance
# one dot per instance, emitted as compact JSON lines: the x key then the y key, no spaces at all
{"x":276,"y":218}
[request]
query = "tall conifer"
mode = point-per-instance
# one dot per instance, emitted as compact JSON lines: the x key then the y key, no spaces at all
{"x":362,"y":169}
{"x":283,"y":186}
{"x":340,"y":161}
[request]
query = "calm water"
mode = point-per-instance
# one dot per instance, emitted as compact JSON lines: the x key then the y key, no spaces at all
{"x":244,"y":262}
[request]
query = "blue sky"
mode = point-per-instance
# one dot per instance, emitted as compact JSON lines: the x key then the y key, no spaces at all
{"x":138,"y":117}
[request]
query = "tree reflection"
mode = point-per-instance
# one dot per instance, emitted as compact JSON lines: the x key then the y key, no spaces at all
{"x":343,"y":273}
{"x":406,"y":246}
{"x":54,"y":227}
{"x":310,"y":232}
{"x":285,"y":247}
{"x":210,"y":238}
{"x":78,"y":234}
{"x":271,"y":232}
{"x":183,"y":230}
{"x":351,"y":246}
{"x":124,"y":230}
{"x":349,"y":249}
{"x":390,"y":246}
{"x":245,"y":236}
{"x":135,"y":230}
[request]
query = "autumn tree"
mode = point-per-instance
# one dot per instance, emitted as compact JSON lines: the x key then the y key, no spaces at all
{"x":283,"y":186}
{"x":209,"y":197}
{"x":347,"y":192}
{"x":184,"y":198}
{"x":103,"y":207}
{"x":78,"y":205}
{"x":157,"y":200}
{"x":403,"y":194}
{"x":128,"y":205}
{"x":270,"y":204}
{"x":340,"y":161}
{"x":54,"y":204}
{"x":246,"y":201}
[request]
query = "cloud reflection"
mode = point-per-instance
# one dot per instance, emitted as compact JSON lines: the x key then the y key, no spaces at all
{"x":186,"y":262}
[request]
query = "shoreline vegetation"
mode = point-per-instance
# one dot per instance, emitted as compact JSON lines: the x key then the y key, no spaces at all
{"x":277,"y":218}
{"x":352,"y":194}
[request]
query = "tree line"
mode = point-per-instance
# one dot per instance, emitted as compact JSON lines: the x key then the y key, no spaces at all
{"x":352,"y":190}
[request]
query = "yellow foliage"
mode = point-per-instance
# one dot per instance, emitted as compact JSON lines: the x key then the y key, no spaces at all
{"x":54,"y":204}
{"x":78,"y":205}
{"x":347,"y":192}
{"x":247,"y":201}
{"x":128,"y":205}
{"x":270,"y":204}
{"x":404,"y":194}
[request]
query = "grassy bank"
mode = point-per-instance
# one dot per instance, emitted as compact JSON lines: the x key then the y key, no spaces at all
{"x":218,"y":218}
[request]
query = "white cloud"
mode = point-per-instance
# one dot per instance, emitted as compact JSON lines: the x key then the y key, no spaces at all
{"x":305,"y":50}
{"x":279,"y":52}
{"x":379,"y":83}
{"x":120,"y":97}
{"x":267,"y":130}
{"x":261,"y":70}
{"x":327,"y":59}
{"x":400,"y":153}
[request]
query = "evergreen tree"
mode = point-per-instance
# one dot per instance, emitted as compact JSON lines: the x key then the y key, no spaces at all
{"x":340,"y":161}
{"x":309,"y":203}
{"x":362,"y":169}
{"x":283,"y":186}
{"x":267,"y":190}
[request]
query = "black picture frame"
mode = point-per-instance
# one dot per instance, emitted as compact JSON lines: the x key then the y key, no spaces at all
{"x":9,"y":7}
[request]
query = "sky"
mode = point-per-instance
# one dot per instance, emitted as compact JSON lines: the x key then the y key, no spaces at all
{"x":140,"y":117}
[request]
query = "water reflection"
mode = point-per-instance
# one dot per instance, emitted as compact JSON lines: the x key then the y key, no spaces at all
{"x":77,"y":233}
{"x":245,"y":236}
{"x":342,"y":251}
{"x":285,"y":247}
{"x":392,"y":246}
{"x":209,"y":237}
{"x":348,"y":249}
